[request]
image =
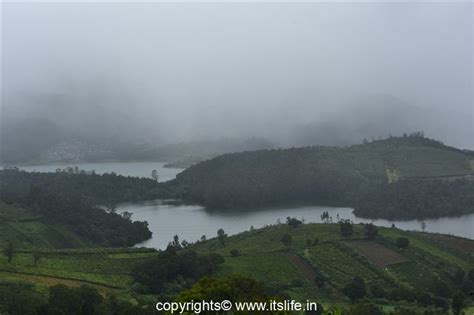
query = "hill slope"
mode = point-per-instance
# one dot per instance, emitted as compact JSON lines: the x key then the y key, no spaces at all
{"x":425,"y":275}
{"x":305,"y":269}
{"x":26,"y":229}
{"x":324,"y":175}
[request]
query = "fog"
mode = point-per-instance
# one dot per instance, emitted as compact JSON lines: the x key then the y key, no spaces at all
{"x":293,"y":73}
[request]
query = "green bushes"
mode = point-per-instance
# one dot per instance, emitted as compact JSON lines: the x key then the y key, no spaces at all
{"x":72,"y":200}
{"x":170,"y":266}
{"x":403,"y":242}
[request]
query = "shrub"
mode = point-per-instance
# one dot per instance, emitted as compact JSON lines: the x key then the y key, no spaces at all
{"x":293,"y":222}
{"x":370,"y":231}
{"x":423,"y":298}
{"x":458,"y":303}
{"x":403,"y":242}
{"x":355,"y":289}
{"x":377,"y":290}
{"x":345,"y":227}
{"x":235,"y":252}
{"x":364,"y":309}
{"x":441,"y":302}
{"x":286,"y":239}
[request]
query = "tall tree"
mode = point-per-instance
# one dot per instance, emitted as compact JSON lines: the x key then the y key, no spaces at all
{"x":9,"y":250}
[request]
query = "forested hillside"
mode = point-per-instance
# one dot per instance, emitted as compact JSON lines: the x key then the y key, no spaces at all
{"x":323,"y":175}
{"x":71,"y":200}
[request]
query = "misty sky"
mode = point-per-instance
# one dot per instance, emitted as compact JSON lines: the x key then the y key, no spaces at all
{"x":172,"y":72}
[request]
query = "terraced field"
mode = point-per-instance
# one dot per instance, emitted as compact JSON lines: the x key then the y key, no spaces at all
{"x":317,"y":264}
{"x":377,"y":254}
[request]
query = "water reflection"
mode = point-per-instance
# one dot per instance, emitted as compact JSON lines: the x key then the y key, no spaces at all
{"x":190,"y":222}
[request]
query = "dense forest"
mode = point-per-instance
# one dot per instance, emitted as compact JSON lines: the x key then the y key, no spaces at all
{"x":418,"y":198}
{"x":327,"y":175}
{"x":72,"y":198}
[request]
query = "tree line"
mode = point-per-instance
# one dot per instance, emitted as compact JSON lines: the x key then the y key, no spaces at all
{"x":77,"y":200}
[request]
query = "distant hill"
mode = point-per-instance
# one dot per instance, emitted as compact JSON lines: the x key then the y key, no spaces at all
{"x":21,"y":141}
{"x":42,"y":141}
{"x":323,"y":175}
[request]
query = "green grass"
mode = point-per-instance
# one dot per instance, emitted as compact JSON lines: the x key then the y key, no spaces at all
{"x":263,"y":257}
{"x":27,"y":230}
{"x":339,"y":265}
{"x":426,"y":248}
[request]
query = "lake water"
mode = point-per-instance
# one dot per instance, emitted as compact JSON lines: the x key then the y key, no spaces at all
{"x":139,"y":169}
{"x":191,"y":222}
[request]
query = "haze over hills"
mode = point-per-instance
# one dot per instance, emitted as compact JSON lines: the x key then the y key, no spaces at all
{"x":47,"y":140}
{"x":329,"y":114}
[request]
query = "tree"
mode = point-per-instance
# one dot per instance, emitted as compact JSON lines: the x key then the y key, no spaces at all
{"x":112,"y":207}
{"x":325,"y":217}
{"x":423,"y":226}
{"x":36,"y":256}
{"x":316,"y":241}
{"x":9,"y":251}
{"x":370,"y":231}
{"x":459,"y":276}
{"x":457,"y":303}
{"x":126,"y":215}
{"x":234,"y":288}
{"x":470,"y":274}
{"x":355,"y":289}
{"x":364,"y":309}
{"x":221,"y":235}
{"x":154,"y":175}
{"x":171,"y":266}
{"x":345,"y":228}
{"x":286,"y":240}
{"x":203,"y":238}
{"x":82,"y":300}
{"x":403,"y":242}
{"x":175,"y":243}
{"x":293,"y":222}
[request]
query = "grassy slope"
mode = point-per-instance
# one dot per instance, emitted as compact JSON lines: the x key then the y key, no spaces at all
{"x":25,"y":230}
{"x":263,"y":257}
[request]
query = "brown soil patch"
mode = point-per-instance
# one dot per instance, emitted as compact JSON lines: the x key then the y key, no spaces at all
{"x":302,"y":265}
{"x":377,"y":254}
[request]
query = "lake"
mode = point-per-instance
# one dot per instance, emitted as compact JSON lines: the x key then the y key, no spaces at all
{"x":191,"y":222}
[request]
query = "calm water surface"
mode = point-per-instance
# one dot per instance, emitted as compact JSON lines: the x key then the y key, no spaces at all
{"x":191,"y":222}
